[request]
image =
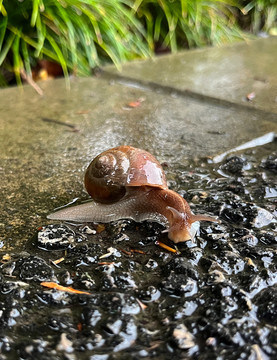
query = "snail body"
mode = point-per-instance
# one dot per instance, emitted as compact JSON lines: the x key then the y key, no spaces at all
{"x":129,"y":183}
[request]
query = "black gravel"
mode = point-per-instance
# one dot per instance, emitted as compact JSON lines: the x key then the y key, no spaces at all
{"x":214,"y":299}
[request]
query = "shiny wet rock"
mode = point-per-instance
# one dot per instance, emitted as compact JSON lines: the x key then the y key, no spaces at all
{"x":216,"y":298}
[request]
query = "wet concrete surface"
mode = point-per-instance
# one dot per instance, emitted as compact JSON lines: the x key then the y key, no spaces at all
{"x":228,"y":73}
{"x":42,"y":161}
{"x":121,"y":296}
{"x":46,"y":144}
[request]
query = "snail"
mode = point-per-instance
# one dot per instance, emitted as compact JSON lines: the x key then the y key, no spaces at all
{"x":129,"y":183}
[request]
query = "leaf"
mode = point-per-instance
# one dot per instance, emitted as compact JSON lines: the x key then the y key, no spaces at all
{"x":60,"y":56}
{"x":2,"y":9}
{"x":6,"y":48}
{"x":26,"y":58}
{"x":53,"y":285}
{"x":41,"y":32}
{"x":3,"y":27}
{"x":35,"y":12}
{"x":135,"y":103}
{"x":17,"y":61}
{"x":164,"y":246}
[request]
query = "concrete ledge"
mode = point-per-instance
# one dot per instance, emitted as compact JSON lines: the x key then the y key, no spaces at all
{"x":46,"y":142}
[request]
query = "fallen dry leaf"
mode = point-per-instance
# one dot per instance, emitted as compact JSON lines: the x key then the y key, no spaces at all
{"x":141,"y":304}
{"x":138,"y":251}
{"x":100,"y":228}
{"x":56,"y":262}
{"x":53,"y":285}
{"x":135,"y":103}
{"x":164,"y":246}
{"x":126,"y":252}
{"x":6,"y":257}
{"x":251,"y":96}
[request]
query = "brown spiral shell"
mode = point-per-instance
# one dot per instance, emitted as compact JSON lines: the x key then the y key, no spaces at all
{"x":116,"y":169}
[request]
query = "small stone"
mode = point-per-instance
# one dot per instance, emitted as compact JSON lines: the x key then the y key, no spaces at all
{"x":263,"y":218}
{"x":258,"y":353}
{"x":267,"y":305}
{"x":99,"y":357}
{"x":115,"y":327}
{"x":211,"y":341}
{"x":151,"y":264}
{"x":233,"y":165}
{"x":65,"y":344}
{"x":217,"y":276}
{"x":183,"y":337}
{"x":270,"y":163}
{"x":122,"y":237}
{"x":87,"y":230}
{"x":111,"y":251}
{"x":34,"y":268}
{"x":58,"y":236}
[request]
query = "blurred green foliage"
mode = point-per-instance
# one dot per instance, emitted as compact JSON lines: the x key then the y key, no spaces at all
{"x":74,"y":33}
{"x":83,"y":34}
{"x":175,"y":23}
{"x":263,"y":15}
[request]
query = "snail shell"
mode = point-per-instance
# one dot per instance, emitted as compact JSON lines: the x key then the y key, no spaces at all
{"x":111,"y":172}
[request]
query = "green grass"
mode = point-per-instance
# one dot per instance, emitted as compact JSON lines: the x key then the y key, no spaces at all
{"x":263,"y":15}
{"x":83,"y":34}
{"x":175,"y":23}
{"x":77,"y":34}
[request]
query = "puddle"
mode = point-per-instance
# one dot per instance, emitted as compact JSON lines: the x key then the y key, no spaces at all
{"x":262,"y":140}
{"x":215,"y":298}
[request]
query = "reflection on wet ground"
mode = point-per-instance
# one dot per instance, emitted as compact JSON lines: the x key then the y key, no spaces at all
{"x":215,"y":298}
